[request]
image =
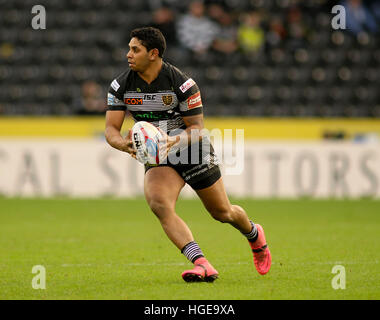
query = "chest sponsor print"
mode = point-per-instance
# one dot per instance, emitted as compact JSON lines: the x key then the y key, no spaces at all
{"x":133,"y":101}
{"x":157,"y":101}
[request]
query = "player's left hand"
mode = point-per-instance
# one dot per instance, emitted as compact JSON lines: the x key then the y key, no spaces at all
{"x":167,"y":143}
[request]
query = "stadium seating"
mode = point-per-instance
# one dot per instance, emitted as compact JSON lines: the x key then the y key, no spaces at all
{"x":332,"y":74}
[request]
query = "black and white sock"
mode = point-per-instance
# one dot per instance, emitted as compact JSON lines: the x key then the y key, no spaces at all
{"x":192,"y":251}
{"x":252,"y":236}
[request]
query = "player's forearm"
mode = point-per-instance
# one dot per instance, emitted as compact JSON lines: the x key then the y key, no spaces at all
{"x":114,"y":138}
{"x":192,"y":134}
{"x":194,"y":129}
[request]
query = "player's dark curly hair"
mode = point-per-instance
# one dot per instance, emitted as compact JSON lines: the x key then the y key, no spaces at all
{"x":151,"y":38}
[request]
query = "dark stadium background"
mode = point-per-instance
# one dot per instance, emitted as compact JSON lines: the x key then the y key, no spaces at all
{"x":315,"y":71}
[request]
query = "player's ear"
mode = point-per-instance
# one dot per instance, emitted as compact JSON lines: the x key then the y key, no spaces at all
{"x":153,"y":54}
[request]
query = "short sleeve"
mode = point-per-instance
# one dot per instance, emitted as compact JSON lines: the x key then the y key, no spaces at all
{"x":189,"y":96}
{"x":115,"y":96}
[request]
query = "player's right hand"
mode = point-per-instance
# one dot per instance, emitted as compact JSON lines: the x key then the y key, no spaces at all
{"x":127,"y":145}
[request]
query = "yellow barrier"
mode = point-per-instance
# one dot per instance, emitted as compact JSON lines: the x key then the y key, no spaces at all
{"x":254,"y":128}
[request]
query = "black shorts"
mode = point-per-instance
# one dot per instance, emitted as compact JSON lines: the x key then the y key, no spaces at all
{"x":198,"y":174}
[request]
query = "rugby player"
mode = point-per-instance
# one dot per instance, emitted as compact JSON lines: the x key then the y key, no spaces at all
{"x":153,"y":90}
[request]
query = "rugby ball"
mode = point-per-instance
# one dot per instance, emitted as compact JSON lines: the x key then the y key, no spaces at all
{"x":146,"y":138}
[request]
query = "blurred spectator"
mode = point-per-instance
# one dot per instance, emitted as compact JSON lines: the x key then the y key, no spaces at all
{"x":226,"y":38}
{"x":215,"y":11}
{"x":276,"y":33}
{"x":296,"y":29}
{"x":163,"y":19}
{"x":195,"y":30}
{"x":358,"y":17}
{"x":250,"y":34}
{"x":91,"y":101}
{"x":175,"y":5}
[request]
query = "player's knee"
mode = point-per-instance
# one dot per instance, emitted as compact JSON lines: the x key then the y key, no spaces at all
{"x":159,"y":206}
{"x":222,"y":215}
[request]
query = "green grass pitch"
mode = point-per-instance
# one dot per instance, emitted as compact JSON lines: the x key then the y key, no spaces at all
{"x":116,"y":249}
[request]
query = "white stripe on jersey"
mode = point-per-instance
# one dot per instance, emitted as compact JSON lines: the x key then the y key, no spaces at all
{"x":170,"y":124}
{"x":158,"y":101}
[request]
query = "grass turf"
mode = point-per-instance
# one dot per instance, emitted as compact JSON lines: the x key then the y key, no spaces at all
{"x":116,"y":249}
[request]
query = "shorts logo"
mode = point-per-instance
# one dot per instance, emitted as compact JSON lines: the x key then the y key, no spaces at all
{"x":115,"y":85}
{"x":167,"y":99}
{"x":133,"y":101}
{"x":194,"y":101}
{"x":187,"y":85}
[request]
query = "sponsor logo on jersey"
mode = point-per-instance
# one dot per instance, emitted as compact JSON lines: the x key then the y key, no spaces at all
{"x":115,"y":85}
{"x":167,"y":99}
{"x":150,"y":115}
{"x":187,"y":85}
{"x":194,"y":101}
{"x":133,"y":101}
{"x":113,"y":101}
{"x":149,"y":97}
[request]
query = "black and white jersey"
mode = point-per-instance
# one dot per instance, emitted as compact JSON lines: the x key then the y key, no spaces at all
{"x":171,"y":96}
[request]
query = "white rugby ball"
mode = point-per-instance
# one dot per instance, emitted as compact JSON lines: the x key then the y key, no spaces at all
{"x":146,"y":138}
